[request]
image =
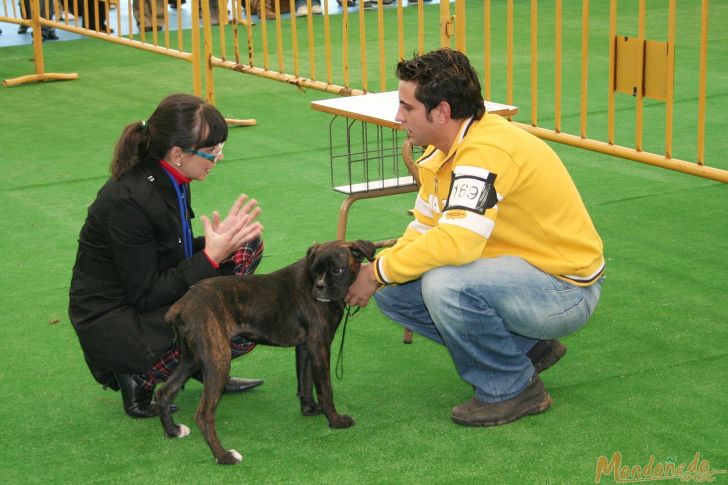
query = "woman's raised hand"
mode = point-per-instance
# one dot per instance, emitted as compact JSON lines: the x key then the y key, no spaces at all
{"x":224,"y":237}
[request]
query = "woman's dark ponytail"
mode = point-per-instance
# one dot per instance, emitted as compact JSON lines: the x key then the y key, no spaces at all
{"x":130,"y":149}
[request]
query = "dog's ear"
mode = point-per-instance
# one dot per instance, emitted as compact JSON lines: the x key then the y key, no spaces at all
{"x":312,"y":250}
{"x":363,"y":249}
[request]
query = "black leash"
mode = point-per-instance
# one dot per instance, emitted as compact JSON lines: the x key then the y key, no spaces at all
{"x":340,"y":358}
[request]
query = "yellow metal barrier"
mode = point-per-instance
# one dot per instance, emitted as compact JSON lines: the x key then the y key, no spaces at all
{"x":583,"y":73}
{"x":91,"y":18}
{"x":628,"y":69}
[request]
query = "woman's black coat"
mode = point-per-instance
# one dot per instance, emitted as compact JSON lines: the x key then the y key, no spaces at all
{"x":130,"y":267}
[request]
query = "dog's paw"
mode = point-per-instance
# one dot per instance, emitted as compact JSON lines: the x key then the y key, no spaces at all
{"x":341,"y":421}
{"x":183,"y":431}
{"x":308,"y":409}
{"x":231,"y":457}
{"x":179,"y":431}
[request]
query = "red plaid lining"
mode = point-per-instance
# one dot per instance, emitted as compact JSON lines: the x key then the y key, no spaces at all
{"x":165,"y":365}
{"x":246,"y":260}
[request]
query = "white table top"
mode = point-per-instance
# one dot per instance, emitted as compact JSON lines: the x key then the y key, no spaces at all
{"x":381,"y":108}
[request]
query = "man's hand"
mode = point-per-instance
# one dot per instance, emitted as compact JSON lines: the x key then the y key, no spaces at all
{"x":364,"y":286}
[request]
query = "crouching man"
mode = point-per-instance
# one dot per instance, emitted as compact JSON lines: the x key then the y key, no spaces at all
{"x":502,"y":258}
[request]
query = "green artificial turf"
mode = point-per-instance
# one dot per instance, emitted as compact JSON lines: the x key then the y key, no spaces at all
{"x":646,"y":377}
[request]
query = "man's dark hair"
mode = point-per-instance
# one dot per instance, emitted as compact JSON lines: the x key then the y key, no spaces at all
{"x":444,"y":75}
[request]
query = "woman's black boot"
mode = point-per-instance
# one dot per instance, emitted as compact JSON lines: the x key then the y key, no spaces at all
{"x":234,"y":385}
{"x":137,"y":401}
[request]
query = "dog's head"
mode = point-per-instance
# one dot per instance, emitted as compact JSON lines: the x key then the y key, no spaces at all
{"x":333,"y":266}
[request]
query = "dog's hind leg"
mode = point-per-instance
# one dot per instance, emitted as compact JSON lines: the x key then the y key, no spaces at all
{"x":167,"y":393}
{"x":309,"y":407}
{"x":215,"y":360}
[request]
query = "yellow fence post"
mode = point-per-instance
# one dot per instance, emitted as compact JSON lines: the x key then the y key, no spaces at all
{"x":558,"y":63}
{"x":208,"y":54}
{"x":445,"y":24}
{"x":207,"y":51}
{"x":486,"y":49}
{"x":703,"y":73}
{"x":40,"y":74}
{"x":534,"y":62}
{"x":584,"y":67}
{"x":196,"y":62}
{"x":459,"y":22}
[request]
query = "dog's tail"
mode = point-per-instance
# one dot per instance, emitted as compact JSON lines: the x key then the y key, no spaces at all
{"x":174,"y":318}
{"x":173,"y":314}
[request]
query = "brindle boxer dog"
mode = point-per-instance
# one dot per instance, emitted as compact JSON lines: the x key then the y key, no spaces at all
{"x":299,"y":305}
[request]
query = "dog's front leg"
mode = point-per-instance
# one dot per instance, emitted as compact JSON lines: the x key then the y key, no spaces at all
{"x":309,"y":407}
{"x":319,"y":355}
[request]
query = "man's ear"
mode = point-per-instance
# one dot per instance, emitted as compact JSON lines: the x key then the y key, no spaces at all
{"x":441,"y":113}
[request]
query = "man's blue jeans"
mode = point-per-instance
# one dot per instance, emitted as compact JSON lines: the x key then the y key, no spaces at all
{"x":488,"y":314}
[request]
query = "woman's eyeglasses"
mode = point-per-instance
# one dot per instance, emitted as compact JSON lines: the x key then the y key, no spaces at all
{"x":212,"y":157}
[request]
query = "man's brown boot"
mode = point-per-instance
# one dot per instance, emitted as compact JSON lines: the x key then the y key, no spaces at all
{"x":546,"y":353}
{"x":532,"y":400}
